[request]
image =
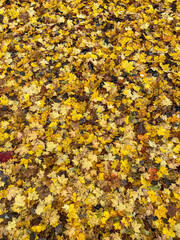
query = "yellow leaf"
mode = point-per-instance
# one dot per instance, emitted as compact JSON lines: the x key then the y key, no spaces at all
{"x":19,"y":203}
{"x":12,"y":192}
{"x":158,"y":160}
{"x":136,"y":226}
{"x":106,"y":214}
{"x":125,"y":165}
{"x":144,"y":182}
{"x":166,"y":102}
{"x":100,"y":176}
{"x":127,"y":92}
{"x":152,"y":196}
{"x":165,"y":67}
{"x":128,"y":66}
{"x":54,"y":218}
{"x":117,"y":226}
{"x":177,"y":229}
{"x":176,"y":149}
{"x":162,"y":171}
{"x":20,"y":200}
{"x":48,"y":199}
{"x":161,"y":212}
{"x":39,"y":228}
{"x":126,"y":120}
{"x":161,"y":131}
{"x":40,"y":207}
{"x":2,"y":184}
{"x":81,"y":236}
{"x":25,"y":162}
{"x":125,"y":222}
{"x":4,"y":100}
{"x":108,"y":86}
{"x":11,"y":224}
{"x":72,"y":212}
{"x":61,"y":19}
{"x":177,"y":196}
{"x":26,"y":97}
{"x":32,"y":194}
{"x":86,"y":164}
{"x":51,"y":146}
{"x":168,"y":233}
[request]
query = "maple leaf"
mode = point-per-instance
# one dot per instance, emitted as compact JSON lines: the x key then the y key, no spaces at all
{"x":86,"y":164}
{"x":168,"y":232}
{"x":19,"y":203}
{"x":176,"y":149}
{"x":5,"y":156}
{"x":103,"y":95}
{"x":20,"y":200}
{"x":51,"y":146}
{"x":39,"y":228}
{"x":25,"y":162}
{"x":32,"y":194}
{"x":12,"y":192}
{"x":105,"y":217}
{"x":70,"y":231}
{"x":136,"y":226}
{"x":163,"y":171}
{"x":128,"y":66}
{"x":117,"y":226}
{"x":81,"y":236}
{"x":177,"y":229}
{"x":166,"y":102}
{"x":153,"y":174}
{"x":152,"y":196}
{"x":54,"y":218}
{"x":40,"y":207}
{"x":12,"y":224}
{"x":161,"y":212}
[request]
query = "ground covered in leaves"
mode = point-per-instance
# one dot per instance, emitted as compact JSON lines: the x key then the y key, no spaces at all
{"x":89,"y":120}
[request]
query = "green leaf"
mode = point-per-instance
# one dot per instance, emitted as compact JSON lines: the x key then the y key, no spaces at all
{"x":27,"y":156}
{"x":72,"y":169}
{"x":155,"y":188}
{"x":129,"y":231}
{"x":130,"y":117}
{"x":99,"y":214}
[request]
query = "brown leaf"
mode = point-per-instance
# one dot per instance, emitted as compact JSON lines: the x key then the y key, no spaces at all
{"x":43,"y":191}
{"x":105,"y":186}
{"x":43,"y":90}
{"x":30,"y":172}
{"x":36,"y":221}
{"x":172,"y":210}
{"x":141,"y":129}
{"x":116,"y":182}
{"x":4,"y":90}
{"x":119,"y":121}
{"x":16,"y":168}
{"x":24,"y":16}
{"x":74,"y":125}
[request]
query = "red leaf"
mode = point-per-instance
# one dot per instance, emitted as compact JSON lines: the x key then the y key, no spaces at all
{"x":143,"y":149}
{"x":5,"y":156}
{"x":152,"y":170}
{"x":153,"y":176}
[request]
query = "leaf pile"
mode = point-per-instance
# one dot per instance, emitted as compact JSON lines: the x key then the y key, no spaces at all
{"x":89,"y":119}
